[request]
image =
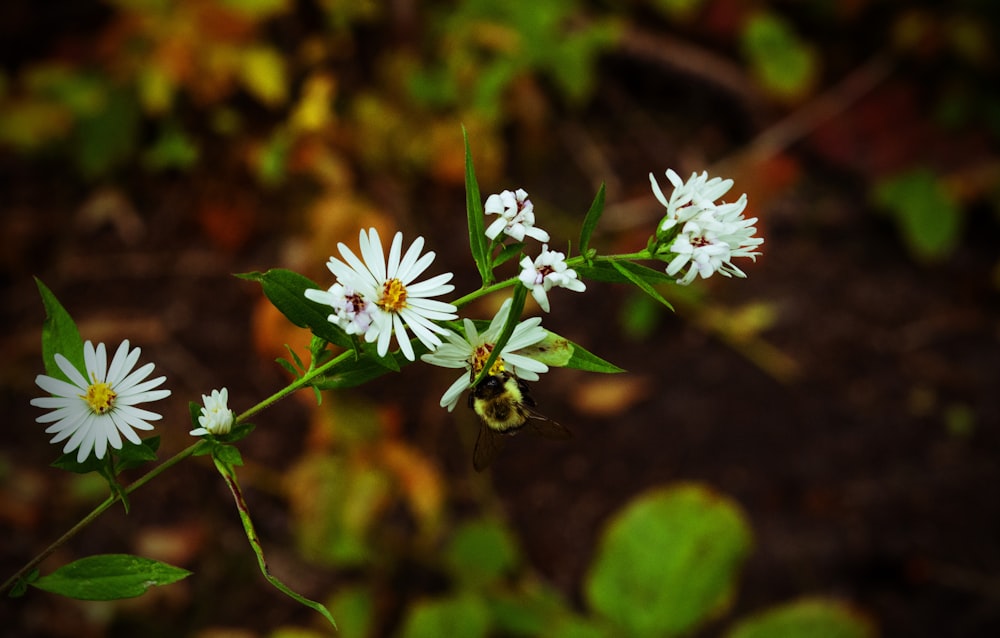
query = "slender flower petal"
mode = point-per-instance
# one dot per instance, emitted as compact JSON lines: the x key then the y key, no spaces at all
{"x":547,"y":270}
{"x":471,"y":351}
{"x":95,"y":411}
{"x":516,"y":216}
{"x":216,"y":417}
{"x":378,"y":295}
{"x":700,"y":236}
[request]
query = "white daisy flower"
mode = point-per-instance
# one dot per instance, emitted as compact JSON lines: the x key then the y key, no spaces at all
{"x":97,"y":410}
{"x":516,"y":216}
{"x":351,"y":311}
{"x":216,"y":417}
{"x":547,"y":270}
{"x":709,"y":234}
{"x":387,"y":292}
{"x":471,"y":352}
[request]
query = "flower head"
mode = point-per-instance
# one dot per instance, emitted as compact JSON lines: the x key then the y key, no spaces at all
{"x":351,"y":311}
{"x":516,"y":216}
{"x":96,"y":410}
{"x":690,"y":198}
{"x":471,"y":351}
{"x":216,"y":417}
{"x":700,"y":234}
{"x":378,"y":297}
{"x":547,"y":270}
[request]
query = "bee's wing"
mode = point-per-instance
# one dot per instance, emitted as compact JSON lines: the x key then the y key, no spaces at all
{"x":488,"y":445}
{"x":546,"y":427}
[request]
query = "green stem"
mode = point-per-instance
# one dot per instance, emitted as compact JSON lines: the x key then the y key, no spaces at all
{"x":298,"y":384}
{"x":97,"y":511}
{"x":156,"y":471}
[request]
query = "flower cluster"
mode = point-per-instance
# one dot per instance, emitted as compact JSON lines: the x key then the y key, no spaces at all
{"x":700,"y":235}
{"x":377,"y":297}
{"x":516,"y":216}
{"x":547,"y":270}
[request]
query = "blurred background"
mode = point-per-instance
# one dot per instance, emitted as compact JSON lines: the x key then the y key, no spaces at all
{"x":842,"y":401}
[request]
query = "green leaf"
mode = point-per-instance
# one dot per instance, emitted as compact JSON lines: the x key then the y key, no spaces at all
{"x":194,"y":411}
{"x":463,"y":615}
{"x":626,"y":268}
{"x":355,"y":606}
{"x":59,"y":335}
{"x":590,"y":221}
{"x":109,"y":577}
{"x":669,"y":561}
{"x":228,"y":454}
{"x":583,"y":359}
{"x":474,"y":214}
{"x":20,"y":585}
{"x":926,"y":214}
{"x":513,"y":318}
{"x":605,"y":271}
{"x":286,"y":290}
{"x":807,"y":618}
{"x":229,"y":475}
{"x":106,"y":138}
{"x":508,"y":252}
{"x":69,"y":463}
{"x":133,"y":455}
{"x":782,"y":62}
{"x":354,"y":372}
{"x":559,"y":352}
{"x":480,"y":553}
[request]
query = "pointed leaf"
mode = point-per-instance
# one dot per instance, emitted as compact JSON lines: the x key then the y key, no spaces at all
{"x":133,"y":455}
{"x":286,"y":290}
{"x":557,"y":351}
{"x":590,"y":221}
{"x":508,"y":252}
{"x":59,"y":335}
{"x":606,"y":272}
{"x":474,"y":214}
{"x":626,"y":268}
{"x":354,"y":372}
{"x":513,"y":318}
{"x":229,"y":475}
{"x":109,"y":577}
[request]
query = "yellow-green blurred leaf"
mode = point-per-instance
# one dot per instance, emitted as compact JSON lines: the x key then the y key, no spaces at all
{"x":256,"y":9}
{"x":669,"y":561}
{"x":464,"y":615}
{"x":354,"y":610}
{"x":806,"y":619}
{"x":481,"y":552}
{"x":783,"y":63}
{"x":29,"y":125}
{"x":926,"y":213}
{"x":262,"y":70}
{"x":156,"y":90}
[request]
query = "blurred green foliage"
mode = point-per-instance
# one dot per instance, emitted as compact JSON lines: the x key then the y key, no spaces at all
{"x":928,"y":216}
{"x":667,"y":563}
{"x":282,"y":89}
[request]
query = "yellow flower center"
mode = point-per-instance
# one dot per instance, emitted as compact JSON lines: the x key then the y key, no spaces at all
{"x":393,"y":296}
{"x":100,"y":397}
{"x":480,"y":356}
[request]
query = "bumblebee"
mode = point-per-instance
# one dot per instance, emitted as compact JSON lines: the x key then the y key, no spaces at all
{"x":504,"y":407}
